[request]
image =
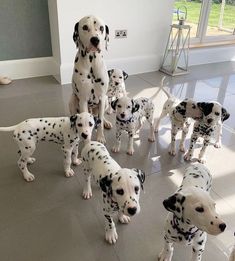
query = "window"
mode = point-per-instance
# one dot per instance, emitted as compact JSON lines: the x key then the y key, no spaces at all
{"x":210,"y":20}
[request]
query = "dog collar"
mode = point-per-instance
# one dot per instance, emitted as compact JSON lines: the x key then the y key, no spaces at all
{"x":187,"y":235}
{"x":124,"y":121}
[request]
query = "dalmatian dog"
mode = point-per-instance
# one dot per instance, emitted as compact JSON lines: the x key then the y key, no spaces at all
{"x":120,"y":186}
{"x":213,"y":115}
{"x":192,"y":214}
{"x":66,"y":131}
{"x":129,"y":118}
{"x":180,"y":113}
{"x":90,"y":78}
{"x":116,"y":87}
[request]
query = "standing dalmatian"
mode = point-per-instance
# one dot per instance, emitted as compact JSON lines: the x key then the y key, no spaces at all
{"x":120,"y":186}
{"x":191,"y":215}
{"x":90,"y":78}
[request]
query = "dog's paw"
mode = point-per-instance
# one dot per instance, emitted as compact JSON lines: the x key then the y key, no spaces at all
{"x":31,"y":160}
{"x":172,"y":152}
{"x":107,"y":124}
{"x":111,"y":236}
{"x":29,"y":177}
{"x":202,"y":160}
{"x":69,"y":173}
{"x":151,"y":139}
{"x":182,"y":148}
{"x":115,"y":149}
{"x":187,"y":156}
{"x":130,"y":152}
{"x":124,"y":219}
{"x":217,"y":145}
{"x":77,"y":162}
{"x":87,"y":193}
{"x":101,"y":139}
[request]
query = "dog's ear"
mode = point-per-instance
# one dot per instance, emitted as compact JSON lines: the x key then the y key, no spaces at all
{"x":73,"y":120}
{"x":205,"y":107}
{"x":106,"y":185}
{"x":106,"y":37}
{"x":76,"y":34}
{"x":141,"y":176}
{"x":125,"y":75}
{"x":135,"y":106}
{"x":97,"y":121}
{"x":175,"y":204}
{"x":224,"y":115}
{"x":114,"y":104}
{"x":110,"y":72}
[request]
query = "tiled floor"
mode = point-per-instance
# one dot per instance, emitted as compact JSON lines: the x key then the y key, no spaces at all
{"x":47,"y":220}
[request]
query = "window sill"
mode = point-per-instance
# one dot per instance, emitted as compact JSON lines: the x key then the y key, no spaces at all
{"x":211,"y":44}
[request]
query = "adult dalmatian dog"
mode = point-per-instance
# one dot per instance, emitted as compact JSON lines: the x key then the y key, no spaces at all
{"x":192,"y":214}
{"x":90,"y":77}
{"x":66,"y":131}
{"x":120,"y":186}
{"x":129,"y":118}
{"x":180,"y":113}
{"x":117,"y":88}
{"x":213,"y":115}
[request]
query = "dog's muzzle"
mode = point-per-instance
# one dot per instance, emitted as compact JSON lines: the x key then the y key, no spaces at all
{"x":95,"y":41}
{"x":84,"y":136}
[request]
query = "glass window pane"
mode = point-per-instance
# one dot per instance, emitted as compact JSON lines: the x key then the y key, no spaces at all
{"x":221,"y":18}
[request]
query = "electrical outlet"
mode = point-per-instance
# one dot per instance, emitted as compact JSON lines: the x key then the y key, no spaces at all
{"x":120,"y":34}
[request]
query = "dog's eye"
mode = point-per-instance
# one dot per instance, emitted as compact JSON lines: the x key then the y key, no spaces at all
{"x":120,"y":191}
{"x":194,"y":106}
{"x":102,"y":29}
{"x":79,"y":125}
{"x":114,"y":76}
{"x":90,"y":124}
{"x":85,"y":27}
{"x":217,"y":113}
{"x":137,"y":190}
{"x":120,"y":77}
{"x":199,"y":209}
{"x":119,"y":106}
{"x":128,"y":107}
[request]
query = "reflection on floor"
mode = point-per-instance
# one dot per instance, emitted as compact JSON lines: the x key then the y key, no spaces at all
{"x":48,"y":220}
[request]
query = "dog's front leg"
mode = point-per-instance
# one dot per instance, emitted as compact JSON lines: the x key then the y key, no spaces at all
{"x":109,"y":110}
{"x":75,"y":160}
{"x":188,"y":156}
{"x":183,"y":137}
{"x":218,"y":136}
{"x":130,"y":148}
{"x":100,"y":130}
{"x":203,"y":150}
{"x":67,"y":162}
{"x":198,"y":250}
{"x":110,"y":229}
{"x":172,"y":150}
{"x":167,"y":252}
{"x":116,"y":147}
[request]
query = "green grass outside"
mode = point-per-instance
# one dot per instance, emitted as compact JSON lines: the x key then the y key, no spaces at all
{"x":194,"y":13}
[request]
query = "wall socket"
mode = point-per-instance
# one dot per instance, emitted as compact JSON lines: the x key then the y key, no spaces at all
{"x":120,"y":34}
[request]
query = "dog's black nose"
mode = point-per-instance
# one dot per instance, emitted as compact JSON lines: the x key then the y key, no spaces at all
{"x":122,"y":115}
{"x":209,"y":121}
{"x":132,"y":211}
{"x":95,"y":41}
{"x":222,"y":226}
{"x":84,"y":135}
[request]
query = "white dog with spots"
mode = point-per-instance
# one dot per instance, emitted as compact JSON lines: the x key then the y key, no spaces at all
{"x":66,"y":131}
{"x":120,"y":186}
{"x":90,"y":77}
{"x":192,"y":214}
{"x":117,"y":88}
{"x":130,"y":114}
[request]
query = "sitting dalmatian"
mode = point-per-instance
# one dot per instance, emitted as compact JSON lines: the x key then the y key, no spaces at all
{"x":191,"y":215}
{"x":213,"y":115}
{"x":129,"y":118}
{"x":180,"y":113}
{"x":120,"y":186}
{"x":66,"y":131}
{"x":116,"y":87}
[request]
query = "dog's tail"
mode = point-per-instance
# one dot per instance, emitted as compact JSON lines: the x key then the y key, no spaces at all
{"x":164,"y":89}
{"x":10,"y":128}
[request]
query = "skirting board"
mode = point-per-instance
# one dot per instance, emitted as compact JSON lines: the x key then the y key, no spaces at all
{"x":26,"y":68}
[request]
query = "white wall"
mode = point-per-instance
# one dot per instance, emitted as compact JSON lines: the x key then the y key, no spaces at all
{"x":147,"y":22}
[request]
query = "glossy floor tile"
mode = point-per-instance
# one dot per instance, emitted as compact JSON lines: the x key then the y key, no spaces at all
{"x":47,"y":220}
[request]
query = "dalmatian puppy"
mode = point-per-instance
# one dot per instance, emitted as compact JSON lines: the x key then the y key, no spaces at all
{"x":120,"y":186}
{"x":180,"y":113}
{"x":117,"y":87}
{"x":213,"y":115}
{"x":192,"y":214}
{"x":66,"y":131}
{"x":129,"y":118}
{"x":90,"y":78}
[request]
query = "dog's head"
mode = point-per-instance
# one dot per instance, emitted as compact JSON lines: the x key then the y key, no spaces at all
{"x":189,"y":108}
{"x":124,"y":107}
{"x":196,"y":207}
{"x":124,"y":189}
{"x":91,"y":33}
{"x":213,"y":112}
{"x":83,"y":124}
{"x":117,"y":76}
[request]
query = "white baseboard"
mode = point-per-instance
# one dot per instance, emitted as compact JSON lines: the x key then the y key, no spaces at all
{"x":26,"y":68}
